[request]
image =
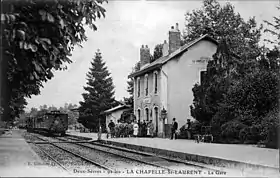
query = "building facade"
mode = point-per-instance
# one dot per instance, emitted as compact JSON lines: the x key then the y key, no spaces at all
{"x":114,"y":114}
{"x":166,"y":84}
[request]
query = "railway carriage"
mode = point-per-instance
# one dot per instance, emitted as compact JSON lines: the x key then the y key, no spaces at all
{"x":53,"y":122}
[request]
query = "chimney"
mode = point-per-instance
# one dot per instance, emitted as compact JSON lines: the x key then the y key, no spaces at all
{"x":165,"y":48}
{"x":144,"y":55}
{"x":174,"y":39}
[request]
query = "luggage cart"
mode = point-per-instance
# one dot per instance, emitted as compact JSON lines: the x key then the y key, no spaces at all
{"x":205,"y":136}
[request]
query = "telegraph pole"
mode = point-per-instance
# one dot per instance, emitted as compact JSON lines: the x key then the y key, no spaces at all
{"x":100,"y":130}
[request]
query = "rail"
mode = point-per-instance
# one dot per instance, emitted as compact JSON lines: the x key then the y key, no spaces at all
{"x":77,"y":155}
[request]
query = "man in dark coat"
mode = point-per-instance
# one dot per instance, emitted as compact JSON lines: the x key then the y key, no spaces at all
{"x":111,"y":126}
{"x":174,"y":129}
{"x":144,"y":131}
{"x":188,"y":128}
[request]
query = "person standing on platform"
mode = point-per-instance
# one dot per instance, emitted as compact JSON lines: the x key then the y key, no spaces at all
{"x":174,"y":129}
{"x":140,"y":128}
{"x":135,"y":129}
{"x":150,"y":129}
{"x":111,"y":126}
{"x":188,"y":128}
{"x":144,"y":129}
{"x":117,"y":129}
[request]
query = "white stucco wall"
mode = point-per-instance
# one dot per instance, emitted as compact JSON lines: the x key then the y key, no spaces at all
{"x":151,"y":100}
{"x":182,"y":74}
{"x":114,"y":116}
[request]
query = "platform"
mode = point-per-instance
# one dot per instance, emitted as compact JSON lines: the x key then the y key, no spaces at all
{"x":223,"y":155}
{"x":17,"y":158}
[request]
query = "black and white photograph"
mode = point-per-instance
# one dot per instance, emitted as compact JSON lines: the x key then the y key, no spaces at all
{"x":140,"y":88}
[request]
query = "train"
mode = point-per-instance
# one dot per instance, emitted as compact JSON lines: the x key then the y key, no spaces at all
{"x":51,"y":123}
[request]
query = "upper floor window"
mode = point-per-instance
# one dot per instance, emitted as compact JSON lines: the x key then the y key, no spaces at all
{"x":202,"y":76}
{"x":156,"y":82}
{"x":146,"y":85}
{"x":138,"y":87}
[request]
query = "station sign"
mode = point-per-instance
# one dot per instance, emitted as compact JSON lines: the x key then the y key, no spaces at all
{"x":147,"y":100}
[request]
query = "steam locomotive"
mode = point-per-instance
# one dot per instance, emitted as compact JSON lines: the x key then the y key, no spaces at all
{"x":51,"y":123}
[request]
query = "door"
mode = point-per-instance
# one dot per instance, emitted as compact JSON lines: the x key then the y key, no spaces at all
{"x":156,"y":119}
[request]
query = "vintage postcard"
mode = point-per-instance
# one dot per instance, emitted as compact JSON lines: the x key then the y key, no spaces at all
{"x":139,"y":88}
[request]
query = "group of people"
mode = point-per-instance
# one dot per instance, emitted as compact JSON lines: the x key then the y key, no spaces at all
{"x":139,"y":129}
{"x":174,"y":129}
{"x":143,"y":129}
{"x":146,"y":129}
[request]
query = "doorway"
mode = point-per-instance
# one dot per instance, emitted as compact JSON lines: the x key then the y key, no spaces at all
{"x":147,"y":114}
{"x":156,"y":118}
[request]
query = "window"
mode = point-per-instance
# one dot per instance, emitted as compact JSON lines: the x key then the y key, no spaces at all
{"x":138,"y":85}
{"x":202,"y":76}
{"x":147,"y":114}
{"x":139,"y":114}
{"x":156,"y":82}
{"x":147,"y":85}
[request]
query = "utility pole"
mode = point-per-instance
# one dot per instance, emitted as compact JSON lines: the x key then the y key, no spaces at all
{"x":100,"y":130}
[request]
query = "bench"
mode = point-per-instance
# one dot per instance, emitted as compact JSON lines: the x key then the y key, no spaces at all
{"x":206,"y":135}
{"x":203,"y":138}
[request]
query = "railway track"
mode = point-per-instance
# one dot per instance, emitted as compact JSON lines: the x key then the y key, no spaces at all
{"x":73,"y":153}
{"x":102,"y":146}
{"x":151,"y":161}
{"x":123,"y":152}
{"x":113,"y":158}
{"x":100,"y":150}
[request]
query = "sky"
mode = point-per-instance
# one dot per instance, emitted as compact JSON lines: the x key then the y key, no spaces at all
{"x":129,"y":24}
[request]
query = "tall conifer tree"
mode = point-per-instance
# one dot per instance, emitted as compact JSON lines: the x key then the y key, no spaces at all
{"x":99,"y":94}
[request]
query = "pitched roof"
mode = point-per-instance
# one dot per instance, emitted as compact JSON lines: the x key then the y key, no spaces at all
{"x":116,"y":108}
{"x":162,"y":60}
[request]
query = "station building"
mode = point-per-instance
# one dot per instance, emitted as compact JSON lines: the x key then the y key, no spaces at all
{"x":165,"y":85}
{"x":114,"y":114}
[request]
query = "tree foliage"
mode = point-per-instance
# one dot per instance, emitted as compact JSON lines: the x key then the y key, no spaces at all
{"x":275,"y":31}
{"x":157,"y":52}
{"x":223,"y":22}
{"x":39,"y":38}
{"x":99,"y":94}
{"x":234,"y":101}
{"x":240,"y":92}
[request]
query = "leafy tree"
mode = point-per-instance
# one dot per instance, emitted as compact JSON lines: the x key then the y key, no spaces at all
{"x":220,"y":75}
{"x":234,"y":101}
{"x":223,"y":22}
{"x":130,"y":86}
{"x":33,"y":112}
{"x":137,"y":66}
{"x":40,"y":41}
{"x":275,"y":31}
{"x":235,"y":57}
{"x":72,"y":116}
{"x":157,"y":52}
{"x":99,"y":94}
